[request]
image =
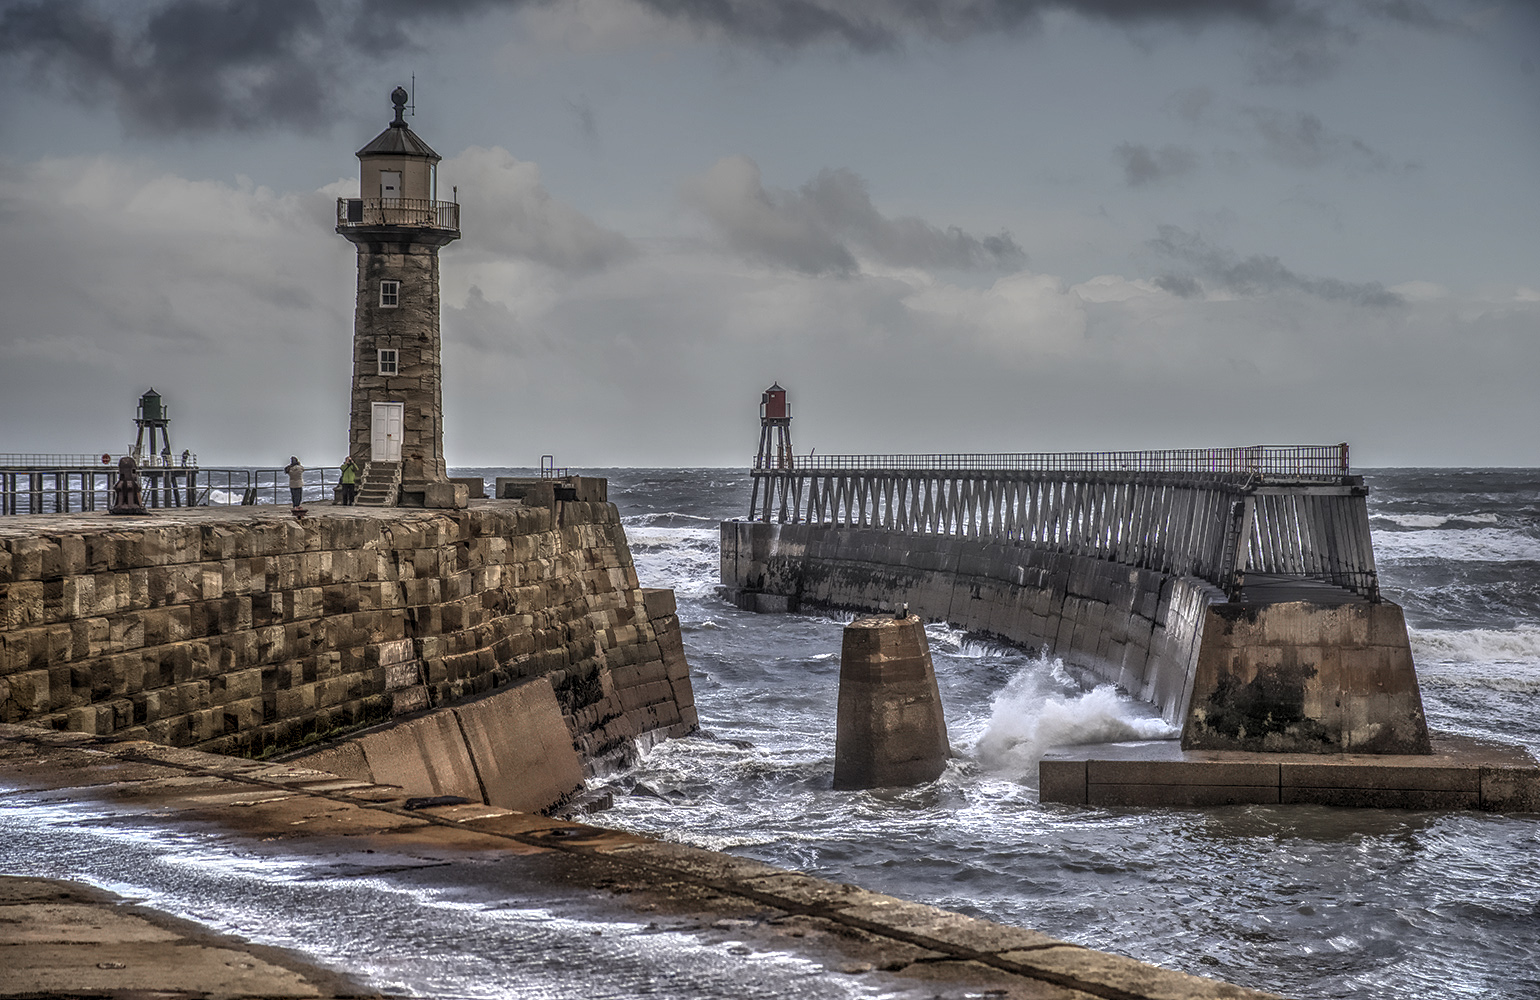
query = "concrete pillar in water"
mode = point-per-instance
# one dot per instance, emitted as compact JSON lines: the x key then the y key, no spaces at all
{"x":890,"y":730}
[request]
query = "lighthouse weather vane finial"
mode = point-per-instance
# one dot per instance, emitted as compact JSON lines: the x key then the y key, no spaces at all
{"x":399,"y":97}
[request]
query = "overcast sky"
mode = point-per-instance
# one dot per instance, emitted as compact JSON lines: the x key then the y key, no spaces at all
{"x":955,"y":225}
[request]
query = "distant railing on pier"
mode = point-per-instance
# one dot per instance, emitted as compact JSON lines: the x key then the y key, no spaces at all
{"x":360,"y":212}
{"x":26,"y":460}
{"x":1216,"y":514}
{"x":1290,"y":461}
{"x":74,"y":488}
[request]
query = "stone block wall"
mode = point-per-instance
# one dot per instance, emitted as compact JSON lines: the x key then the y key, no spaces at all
{"x":1135,"y":628}
{"x":240,"y":631}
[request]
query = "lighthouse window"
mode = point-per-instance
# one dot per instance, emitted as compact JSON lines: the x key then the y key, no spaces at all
{"x":388,"y":363}
{"x":390,"y":294}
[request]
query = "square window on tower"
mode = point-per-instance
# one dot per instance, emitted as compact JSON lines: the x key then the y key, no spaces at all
{"x":390,"y":294}
{"x":389,"y":364}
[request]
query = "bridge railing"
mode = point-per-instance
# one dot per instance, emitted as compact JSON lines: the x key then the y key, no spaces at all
{"x":1288,"y":511}
{"x":1329,"y":461}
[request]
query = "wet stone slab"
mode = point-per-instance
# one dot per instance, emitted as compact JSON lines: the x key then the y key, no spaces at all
{"x":62,"y":939}
{"x":1460,"y":773}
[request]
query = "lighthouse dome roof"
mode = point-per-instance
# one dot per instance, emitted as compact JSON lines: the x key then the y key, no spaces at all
{"x":398,"y":140}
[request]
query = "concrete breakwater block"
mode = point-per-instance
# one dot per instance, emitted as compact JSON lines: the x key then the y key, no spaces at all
{"x":891,"y":730}
{"x":1306,"y":677}
{"x":1460,"y":773}
{"x":511,"y":749}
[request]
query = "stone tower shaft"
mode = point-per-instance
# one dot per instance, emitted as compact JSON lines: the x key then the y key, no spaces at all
{"x":398,"y":226}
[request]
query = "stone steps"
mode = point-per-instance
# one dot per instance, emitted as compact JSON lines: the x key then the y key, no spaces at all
{"x":380,"y":484}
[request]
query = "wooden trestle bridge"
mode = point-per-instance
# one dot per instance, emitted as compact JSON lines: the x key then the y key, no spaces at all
{"x":1221,"y":515}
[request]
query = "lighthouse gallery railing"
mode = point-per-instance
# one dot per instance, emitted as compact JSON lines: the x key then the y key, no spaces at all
{"x":361,"y":212}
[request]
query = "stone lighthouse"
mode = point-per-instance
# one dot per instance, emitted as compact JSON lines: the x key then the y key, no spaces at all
{"x":396,"y":429}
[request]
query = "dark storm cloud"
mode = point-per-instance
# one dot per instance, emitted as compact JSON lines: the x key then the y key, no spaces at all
{"x":1255,"y":275}
{"x":869,"y":25}
{"x":188,"y":65}
{"x":1143,"y":165}
{"x":819,"y":228}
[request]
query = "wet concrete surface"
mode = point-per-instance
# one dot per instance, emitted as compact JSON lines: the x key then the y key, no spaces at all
{"x":60,"y":938}
{"x":596,"y":911}
{"x":1461,"y":773}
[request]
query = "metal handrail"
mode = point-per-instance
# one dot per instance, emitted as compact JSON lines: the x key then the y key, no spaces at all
{"x":60,"y":489}
{"x":1302,"y":461}
{"x":422,"y":212}
{"x":34,"y":461}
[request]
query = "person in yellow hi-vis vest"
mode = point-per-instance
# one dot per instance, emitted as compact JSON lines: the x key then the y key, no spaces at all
{"x":349,"y":482}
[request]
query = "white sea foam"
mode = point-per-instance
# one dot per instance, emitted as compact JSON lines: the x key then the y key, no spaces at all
{"x":949,"y":640}
{"x":685,"y":559}
{"x":1436,"y":520}
{"x":1456,"y":545}
{"x":1033,"y":713}
{"x":1478,"y":645}
{"x":1496,"y":659}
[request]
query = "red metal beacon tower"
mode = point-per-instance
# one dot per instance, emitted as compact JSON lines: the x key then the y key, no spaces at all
{"x":774,"y":430}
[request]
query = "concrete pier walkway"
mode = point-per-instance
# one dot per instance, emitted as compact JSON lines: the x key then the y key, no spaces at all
{"x":60,"y":938}
{"x":896,"y":947}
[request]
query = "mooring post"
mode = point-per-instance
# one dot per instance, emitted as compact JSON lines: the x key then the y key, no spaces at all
{"x":890,"y":730}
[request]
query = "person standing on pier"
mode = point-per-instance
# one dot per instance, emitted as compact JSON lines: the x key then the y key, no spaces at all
{"x":349,"y":481}
{"x":296,"y":480}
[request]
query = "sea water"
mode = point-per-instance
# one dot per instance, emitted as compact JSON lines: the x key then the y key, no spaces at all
{"x":1306,"y":901}
{"x":1303,"y":900}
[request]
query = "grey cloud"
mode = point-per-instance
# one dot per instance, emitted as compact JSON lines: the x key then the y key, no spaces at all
{"x":193,"y":65}
{"x":869,"y":25}
{"x":1193,"y":103}
{"x":816,"y":229}
{"x":1302,"y":52}
{"x":583,"y":115}
{"x":1416,"y":14}
{"x":1143,"y":165}
{"x":1257,"y":274}
{"x":1298,"y":139}
{"x":1179,"y":285}
{"x":517,"y":217}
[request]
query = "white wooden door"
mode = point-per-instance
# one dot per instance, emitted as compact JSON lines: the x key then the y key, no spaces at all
{"x":390,"y":184}
{"x":385,"y":432}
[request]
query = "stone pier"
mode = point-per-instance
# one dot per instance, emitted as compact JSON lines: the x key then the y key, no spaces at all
{"x":248,"y":631}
